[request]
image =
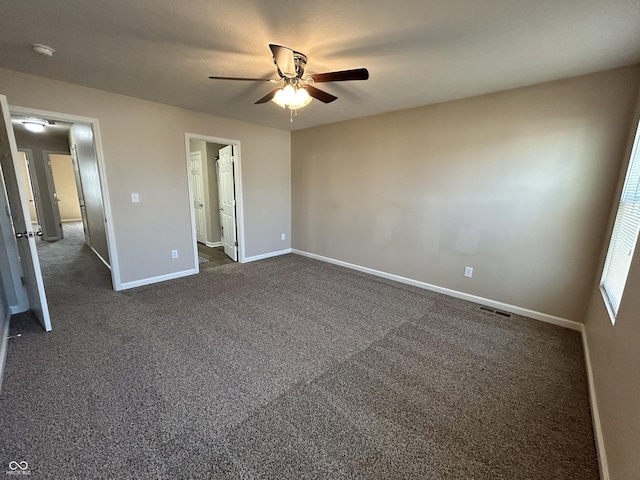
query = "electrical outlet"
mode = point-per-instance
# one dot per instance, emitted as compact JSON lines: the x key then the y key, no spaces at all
{"x":283,"y":236}
{"x":468,"y":272}
{"x":135,"y":198}
{"x":174,"y":253}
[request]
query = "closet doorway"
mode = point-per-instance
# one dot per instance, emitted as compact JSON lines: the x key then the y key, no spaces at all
{"x":215,"y":199}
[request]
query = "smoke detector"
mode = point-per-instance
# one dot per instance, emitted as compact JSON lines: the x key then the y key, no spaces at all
{"x":43,"y":49}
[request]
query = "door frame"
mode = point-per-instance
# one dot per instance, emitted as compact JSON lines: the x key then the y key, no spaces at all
{"x":97,"y":140}
{"x":237,"y":180}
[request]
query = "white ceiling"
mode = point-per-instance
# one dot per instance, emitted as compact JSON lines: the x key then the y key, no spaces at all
{"x":418,"y":52}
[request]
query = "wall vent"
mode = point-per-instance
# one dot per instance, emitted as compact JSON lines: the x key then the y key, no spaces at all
{"x":494,"y":311}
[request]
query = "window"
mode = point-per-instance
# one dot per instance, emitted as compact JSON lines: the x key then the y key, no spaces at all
{"x":624,"y":236}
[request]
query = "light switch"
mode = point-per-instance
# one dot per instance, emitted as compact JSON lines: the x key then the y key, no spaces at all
{"x":135,"y":198}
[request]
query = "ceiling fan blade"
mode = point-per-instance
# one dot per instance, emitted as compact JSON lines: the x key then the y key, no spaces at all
{"x":267,"y":97}
{"x":244,"y":79}
{"x":284,"y":59}
{"x":324,"y":97}
{"x":341,"y":76}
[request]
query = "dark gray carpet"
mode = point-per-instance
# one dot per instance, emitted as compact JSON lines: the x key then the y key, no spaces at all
{"x":287,"y":368}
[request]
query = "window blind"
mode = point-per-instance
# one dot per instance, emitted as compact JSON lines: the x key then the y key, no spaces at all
{"x":625,"y":234}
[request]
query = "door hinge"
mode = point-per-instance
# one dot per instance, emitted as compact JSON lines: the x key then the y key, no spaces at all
{"x":24,"y":282}
{"x":236,"y":243}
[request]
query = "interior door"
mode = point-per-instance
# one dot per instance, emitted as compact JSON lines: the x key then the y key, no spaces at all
{"x":197,"y":185}
{"x":227,"y":200}
{"x":57,"y":221}
{"x":25,"y":178}
{"x":80,"y":192}
{"x":31,"y":275}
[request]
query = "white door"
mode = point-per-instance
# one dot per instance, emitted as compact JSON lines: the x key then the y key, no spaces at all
{"x":227,"y":200}
{"x":57,"y":221}
{"x":80,"y":193}
{"x":25,"y":178}
{"x":32,"y":277}
{"x":197,"y":185}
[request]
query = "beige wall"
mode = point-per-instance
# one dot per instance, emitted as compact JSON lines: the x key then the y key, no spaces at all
{"x":144,"y":149}
{"x":66,"y":189}
{"x":615,"y":358}
{"x":517,"y":185}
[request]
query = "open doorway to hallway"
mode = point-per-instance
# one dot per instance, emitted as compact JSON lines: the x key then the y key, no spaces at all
{"x":58,"y":166}
{"x":214,"y":179}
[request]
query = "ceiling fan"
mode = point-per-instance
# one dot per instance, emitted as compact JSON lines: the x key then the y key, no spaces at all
{"x":297,"y":90}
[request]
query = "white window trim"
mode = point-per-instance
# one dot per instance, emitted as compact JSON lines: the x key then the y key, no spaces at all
{"x":624,"y":235}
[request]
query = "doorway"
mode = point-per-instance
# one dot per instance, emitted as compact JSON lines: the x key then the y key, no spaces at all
{"x":68,"y":168}
{"x":215,"y":196}
{"x":82,"y":143}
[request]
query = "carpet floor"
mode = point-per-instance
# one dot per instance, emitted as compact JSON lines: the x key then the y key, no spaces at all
{"x":286,"y":368}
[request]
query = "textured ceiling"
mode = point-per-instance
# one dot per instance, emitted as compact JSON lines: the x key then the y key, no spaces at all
{"x":418,"y":52}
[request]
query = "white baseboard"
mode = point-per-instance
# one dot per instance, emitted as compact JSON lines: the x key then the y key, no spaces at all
{"x":160,"y":278}
{"x":213,"y":244}
{"x":595,"y":413}
{"x":4,"y":339}
{"x":525,"y":312}
{"x":266,"y":255}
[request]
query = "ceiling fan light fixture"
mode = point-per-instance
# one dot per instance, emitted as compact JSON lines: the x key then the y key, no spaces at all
{"x":292,"y":97}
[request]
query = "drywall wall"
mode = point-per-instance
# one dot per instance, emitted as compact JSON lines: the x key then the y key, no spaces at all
{"x":614,"y":353}
{"x":515,"y":184}
{"x":144,"y":151}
